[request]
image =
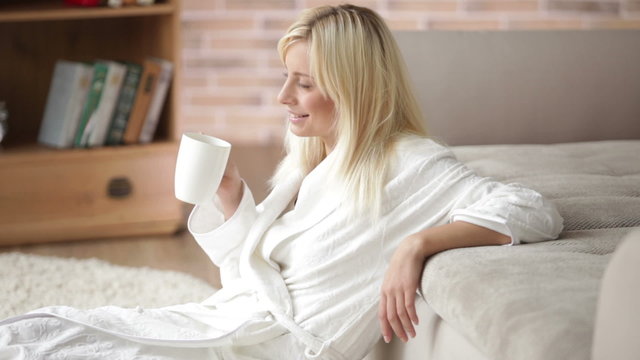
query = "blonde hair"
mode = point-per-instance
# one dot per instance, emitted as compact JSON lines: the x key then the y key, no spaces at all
{"x":356,"y":62}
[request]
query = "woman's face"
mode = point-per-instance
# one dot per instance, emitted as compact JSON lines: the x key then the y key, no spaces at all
{"x":310,"y":113}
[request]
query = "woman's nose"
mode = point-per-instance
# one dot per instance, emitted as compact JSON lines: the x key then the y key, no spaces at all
{"x":285,"y":97}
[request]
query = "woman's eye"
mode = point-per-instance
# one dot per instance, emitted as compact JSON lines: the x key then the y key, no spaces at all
{"x":304,"y":86}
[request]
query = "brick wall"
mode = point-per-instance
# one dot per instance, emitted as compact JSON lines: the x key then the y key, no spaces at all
{"x":232,"y":74}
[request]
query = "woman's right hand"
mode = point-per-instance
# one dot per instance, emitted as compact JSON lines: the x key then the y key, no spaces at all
{"x":230,"y":190}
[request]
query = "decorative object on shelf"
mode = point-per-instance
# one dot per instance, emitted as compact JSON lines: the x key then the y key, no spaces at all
{"x":4,"y":120}
{"x":110,"y":3}
{"x":83,"y":2}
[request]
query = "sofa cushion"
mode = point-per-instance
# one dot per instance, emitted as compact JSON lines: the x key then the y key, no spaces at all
{"x":595,"y":185}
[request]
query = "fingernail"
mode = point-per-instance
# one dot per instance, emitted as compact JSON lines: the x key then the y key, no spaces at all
{"x":386,"y":339}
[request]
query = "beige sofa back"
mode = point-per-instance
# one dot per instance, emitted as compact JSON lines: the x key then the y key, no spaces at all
{"x":526,"y":86}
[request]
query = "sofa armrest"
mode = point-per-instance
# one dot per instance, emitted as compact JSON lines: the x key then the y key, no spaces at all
{"x":617,"y":322}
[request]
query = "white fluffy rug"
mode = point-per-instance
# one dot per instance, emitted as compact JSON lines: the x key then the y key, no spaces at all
{"x":28,"y":282}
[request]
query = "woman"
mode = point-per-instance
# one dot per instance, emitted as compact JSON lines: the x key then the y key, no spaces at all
{"x":359,"y":202}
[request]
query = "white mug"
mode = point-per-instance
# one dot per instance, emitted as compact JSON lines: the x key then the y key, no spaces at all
{"x":200,"y":166}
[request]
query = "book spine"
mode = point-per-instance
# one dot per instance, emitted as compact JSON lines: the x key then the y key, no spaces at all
{"x":150,"y":73}
{"x":124,"y":104}
{"x":79,"y":97}
{"x":104,"y":112}
{"x":93,"y":99}
{"x":69,"y":84}
{"x":157,"y":102}
{"x":52,"y":127}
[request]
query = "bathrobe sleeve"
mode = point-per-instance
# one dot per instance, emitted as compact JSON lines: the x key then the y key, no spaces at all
{"x":433,"y":187}
{"x":510,"y":209}
{"x":222,"y":240}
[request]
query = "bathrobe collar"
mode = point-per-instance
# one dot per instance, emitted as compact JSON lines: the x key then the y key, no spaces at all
{"x":315,"y":202}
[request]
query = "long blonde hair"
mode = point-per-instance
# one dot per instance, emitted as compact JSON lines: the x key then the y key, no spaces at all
{"x":356,"y":62}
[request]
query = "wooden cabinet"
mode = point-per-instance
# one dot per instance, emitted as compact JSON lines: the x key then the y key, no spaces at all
{"x":50,"y":194}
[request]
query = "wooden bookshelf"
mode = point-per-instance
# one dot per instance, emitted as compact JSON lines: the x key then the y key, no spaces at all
{"x":54,"y":195}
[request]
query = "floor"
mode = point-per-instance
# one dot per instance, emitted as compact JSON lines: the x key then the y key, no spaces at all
{"x":178,"y":252}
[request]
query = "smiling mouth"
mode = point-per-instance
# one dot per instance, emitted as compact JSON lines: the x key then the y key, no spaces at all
{"x":294,"y":117}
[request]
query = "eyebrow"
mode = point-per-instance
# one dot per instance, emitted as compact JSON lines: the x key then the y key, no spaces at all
{"x":299,"y":74}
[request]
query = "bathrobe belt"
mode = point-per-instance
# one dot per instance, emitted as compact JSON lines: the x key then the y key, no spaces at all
{"x":315,"y":347}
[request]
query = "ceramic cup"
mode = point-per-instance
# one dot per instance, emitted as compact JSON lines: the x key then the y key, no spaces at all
{"x":201,"y":162}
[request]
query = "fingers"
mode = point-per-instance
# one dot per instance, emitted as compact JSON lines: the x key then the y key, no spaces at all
{"x":403,"y":315}
{"x":397,"y":314}
{"x":387,"y":332}
{"x":394,"y":319}
{"x":410,"y":305}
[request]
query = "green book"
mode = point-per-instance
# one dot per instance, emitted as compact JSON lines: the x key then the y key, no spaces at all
{"x":124,"y":104}
{"x":91,"y":104}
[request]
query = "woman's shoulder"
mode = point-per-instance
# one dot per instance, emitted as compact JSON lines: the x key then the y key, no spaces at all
{"x":414,"y":148}
{"x":413,"y":152}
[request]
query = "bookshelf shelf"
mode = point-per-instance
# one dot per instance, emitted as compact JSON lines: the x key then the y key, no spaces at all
{"x":51,"y":194}
{"x":58,"y":11}
{"x":22,"y":154}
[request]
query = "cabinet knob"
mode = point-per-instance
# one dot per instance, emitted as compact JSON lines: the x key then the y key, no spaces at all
{"x":119,"y":187}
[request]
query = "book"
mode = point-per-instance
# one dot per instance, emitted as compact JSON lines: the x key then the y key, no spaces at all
{"x":91,"y":103}
{"x":150,"y":73}
{"x":101,"y":119}
{"x":67,"y":94}
{"x":157,"y":101}
{"x":124,"y":104}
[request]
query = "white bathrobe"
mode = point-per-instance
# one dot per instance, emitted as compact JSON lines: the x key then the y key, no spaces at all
{"x":297,"y":284}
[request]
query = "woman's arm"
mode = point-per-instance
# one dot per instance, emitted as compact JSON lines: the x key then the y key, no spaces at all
{"x":230,"y":190}
{"x":397,"y":312}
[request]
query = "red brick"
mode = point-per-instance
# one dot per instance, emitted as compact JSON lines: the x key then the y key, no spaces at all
{"x":227,"y":62}
{"x":261,"y":4}
{"x":254,"y":43}
{"x":194,"y":82}
{"x":225,"y":100}
{"x":279,"y":25}
{"x":404,"y":24}
{"x":217,"y":23}
{"x":500,"y":5}
{"x":192,"y":40}
{"x":250,"y":80}
{"x":200,"y":5}
{"x":257,"y":117}
{"x":423,"y":6}
{"x":461,"y":24}
{"x":371,"y":4}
